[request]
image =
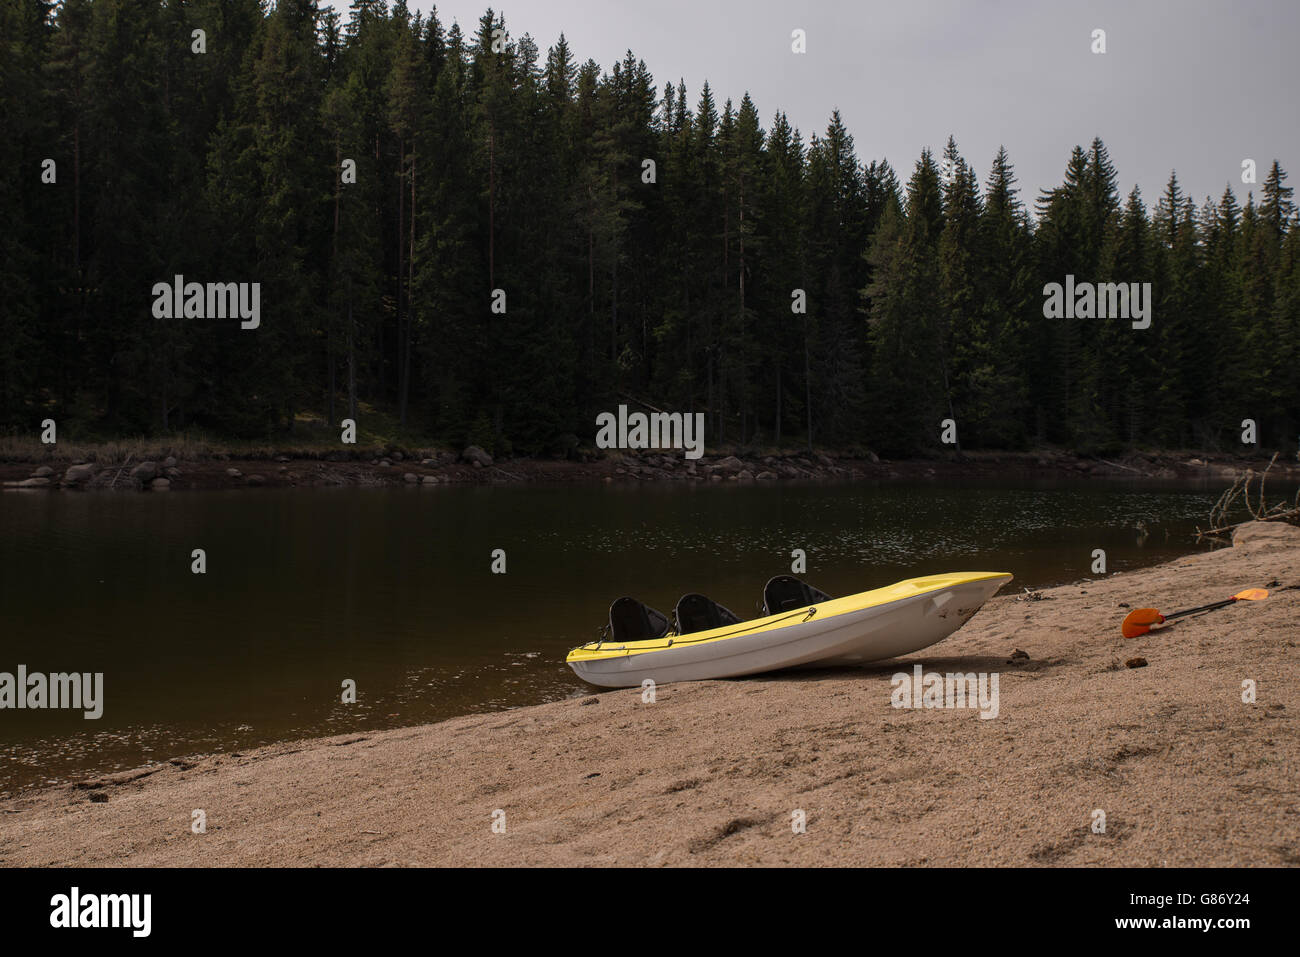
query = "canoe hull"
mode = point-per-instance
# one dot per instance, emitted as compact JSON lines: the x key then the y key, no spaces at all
{"x":856,"y":636}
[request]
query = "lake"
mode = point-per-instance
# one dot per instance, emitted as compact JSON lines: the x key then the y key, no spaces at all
{"x":394,"y":589}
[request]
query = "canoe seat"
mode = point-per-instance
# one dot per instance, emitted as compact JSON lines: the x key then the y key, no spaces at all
{"x":630,"y":620}
{"x":784,"y":593}
{"x":694,"y":613}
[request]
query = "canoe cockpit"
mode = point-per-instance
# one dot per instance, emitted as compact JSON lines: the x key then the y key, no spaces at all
{"x":632,"y":620}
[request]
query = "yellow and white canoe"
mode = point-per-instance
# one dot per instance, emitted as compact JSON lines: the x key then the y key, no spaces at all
{"x":869,"y":626}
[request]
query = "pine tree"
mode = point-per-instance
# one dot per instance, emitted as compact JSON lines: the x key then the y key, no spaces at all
{"x":908,"y":393}
{"x":1064,"y":243}
{"x":1000,"y":367}
{"x":1276,"y":208}
{"x":780,"y":234}
{"x":962,"y":336}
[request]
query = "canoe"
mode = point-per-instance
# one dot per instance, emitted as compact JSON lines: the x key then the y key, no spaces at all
{"x":869,"y":626}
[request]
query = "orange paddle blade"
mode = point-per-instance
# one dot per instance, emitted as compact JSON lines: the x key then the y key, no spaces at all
{"x":1252,"y":594}
{"x":1138,"y":621}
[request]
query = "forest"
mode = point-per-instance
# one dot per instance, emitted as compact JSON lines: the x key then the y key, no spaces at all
{"x":461,"y":233}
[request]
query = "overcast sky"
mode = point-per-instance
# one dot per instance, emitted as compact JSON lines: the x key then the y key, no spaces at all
{"x":1191,"y":85}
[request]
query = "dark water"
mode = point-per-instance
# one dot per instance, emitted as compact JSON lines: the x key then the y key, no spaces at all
{"x":394,"y":589}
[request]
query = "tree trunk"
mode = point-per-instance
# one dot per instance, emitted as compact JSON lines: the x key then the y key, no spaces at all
{"x":613,"y":304}
{"x":352,"y":367}
{"x":379,"y":326}
{"x":807,"y":382}
{"x":330,"y":420}
{"x":744,"y":378}
{"x":401,"y":324}
{"x":776,"y":439}
{"x":329,"y":344}
{"x":76,"y":200}
{"x":410,"y":282}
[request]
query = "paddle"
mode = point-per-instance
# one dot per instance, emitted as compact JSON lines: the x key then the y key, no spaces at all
{"x":1138,"y":621}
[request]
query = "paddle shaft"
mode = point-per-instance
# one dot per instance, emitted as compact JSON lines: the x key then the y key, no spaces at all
{"x":1209,"y":607}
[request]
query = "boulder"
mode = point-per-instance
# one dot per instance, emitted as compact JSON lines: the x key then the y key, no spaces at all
{"x":429,"y":480}
{"x":169,"y":462}
{"x":39,"y":481}
{"x":234,"y":473}
{"x":476,"y":456}
{"x":766,"y":476}
{"x":255,"y":480}
{"x":78,"y":474}
{"x":410,"y":478}
{"x":43,"y":472}
{"x":145,"y":472}
{"x":1266,"y":536}
{"x":745,"y":476}
{"x":729,"y":464}
{"x":160,"y":485}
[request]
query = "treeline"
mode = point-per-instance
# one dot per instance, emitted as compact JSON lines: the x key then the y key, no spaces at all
{"x":483,"y":164}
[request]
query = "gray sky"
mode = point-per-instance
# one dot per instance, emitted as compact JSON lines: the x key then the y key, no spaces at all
{"x":1195,"y":86}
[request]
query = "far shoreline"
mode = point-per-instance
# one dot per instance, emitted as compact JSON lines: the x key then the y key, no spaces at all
{"x":160,"y":466}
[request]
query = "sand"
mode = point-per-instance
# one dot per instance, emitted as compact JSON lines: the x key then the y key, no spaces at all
{"x":713,"y":772}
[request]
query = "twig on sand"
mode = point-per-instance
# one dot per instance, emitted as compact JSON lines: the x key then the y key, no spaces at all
{"x":1260,"y":512}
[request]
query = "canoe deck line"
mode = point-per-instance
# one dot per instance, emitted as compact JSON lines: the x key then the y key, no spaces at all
{"x":888,"y":620}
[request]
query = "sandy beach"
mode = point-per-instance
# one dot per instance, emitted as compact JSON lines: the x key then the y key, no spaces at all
{"x":712,"y":773}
